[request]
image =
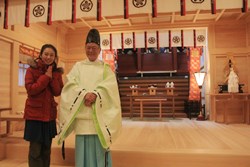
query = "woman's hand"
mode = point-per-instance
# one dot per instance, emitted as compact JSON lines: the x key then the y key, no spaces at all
{"x":49,"y":72}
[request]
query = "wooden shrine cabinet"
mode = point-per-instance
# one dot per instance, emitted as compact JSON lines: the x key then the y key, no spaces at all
{"x":230,"y":108}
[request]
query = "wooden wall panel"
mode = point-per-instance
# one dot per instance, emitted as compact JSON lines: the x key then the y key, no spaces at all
{"x":5,"y":69}
{"x":127,"y":65}
{"x":230,"y":36}
{"x":152,"y":63}
{"x":248,"y":35}
{"x":247,"y":87}
{"x":182,"y":63}
{"x":242,"y":66}
{"x":157,"y":62}
{"x":76,"y":45}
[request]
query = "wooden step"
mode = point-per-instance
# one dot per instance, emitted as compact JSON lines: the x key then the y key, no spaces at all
{"x":15,"y":149}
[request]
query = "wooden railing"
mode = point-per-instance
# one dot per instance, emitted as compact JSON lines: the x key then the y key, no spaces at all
{"x":5,"y":109}
{"x":8,"y":118}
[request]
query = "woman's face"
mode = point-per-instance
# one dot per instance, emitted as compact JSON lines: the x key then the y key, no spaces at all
{"x":48,"y":56}
{"x":92,"y":51}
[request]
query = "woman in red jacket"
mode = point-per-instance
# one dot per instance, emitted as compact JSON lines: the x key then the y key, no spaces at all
{"x":43,"y":81}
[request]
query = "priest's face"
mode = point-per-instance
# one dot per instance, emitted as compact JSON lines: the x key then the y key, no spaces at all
{"x":92,"y":51}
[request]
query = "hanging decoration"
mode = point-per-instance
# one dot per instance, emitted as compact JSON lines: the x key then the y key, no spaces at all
{"x":108,"y":56}
{"x":49,"y":22}
{"x":15,"y":12}
{"x":25,"y":12}
{"x":200,"y":37}
{"x":188,"y":38}
{"x":116,"y":41}
{"x":182,"y":39}
{"x":163,"y":38}
{"x":134,"y":41}
{"x":245,"y":6}
{"x":176,"y":38}
{"x":73,"y":19}
{"x":99,"y":10}
{"x":194,"y":5}
{"x":213,"y":6}
{"x":154,"y":8}
{"x":38,"y":11}
{"x":6,"y":4}
{"x":155,"y":39}
{"x":194,"y":38}
{"x":183,"y":7}
{"x":105,"y":41}
{"x":139,"y":6}
{"x":128,"y":40}
{"x":170,"y":39}
{"x":58,"y":14}
{"x":122,"y":41}
{"x":126,"y":9}
{"x":139,"y":39}
{"x":151,"y":39}
{"x":194,"y":66}
{"x":110,"y":43}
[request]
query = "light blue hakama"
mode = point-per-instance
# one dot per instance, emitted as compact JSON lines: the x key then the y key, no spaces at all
{"x":90,"y":153}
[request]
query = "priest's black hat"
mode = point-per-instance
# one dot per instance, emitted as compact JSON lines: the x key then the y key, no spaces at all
{"x":93,"y":37}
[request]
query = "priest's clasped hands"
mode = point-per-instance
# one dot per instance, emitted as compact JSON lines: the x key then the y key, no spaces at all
{"x":89,"y":98}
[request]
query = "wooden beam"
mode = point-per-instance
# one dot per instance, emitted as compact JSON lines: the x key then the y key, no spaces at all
{"x":85,"y":23}
{"x":107,"y":22}
{"x":5,"y":109}
{"x":67,"y":25}
{"x":129,"y":22}
{"x":196,"y":15}
{"x":240,"y":15}
{"x":219,"y":16}
{"x":173,"y":17}
{"x":150,"y":19}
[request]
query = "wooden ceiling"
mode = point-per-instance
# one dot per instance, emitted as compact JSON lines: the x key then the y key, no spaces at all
{"x":162,"y":21}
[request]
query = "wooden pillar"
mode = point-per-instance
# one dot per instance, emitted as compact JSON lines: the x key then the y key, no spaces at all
{"x":174,"y":58}
{"x":139,"y":59}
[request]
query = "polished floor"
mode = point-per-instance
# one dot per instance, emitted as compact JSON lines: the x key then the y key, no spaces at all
{"x":166,"y":143}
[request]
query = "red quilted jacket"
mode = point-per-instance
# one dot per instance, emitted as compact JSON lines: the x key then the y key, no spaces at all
{"x":41,"y":89}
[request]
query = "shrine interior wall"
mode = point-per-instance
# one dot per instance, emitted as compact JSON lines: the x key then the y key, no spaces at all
{"x":223,"y":39}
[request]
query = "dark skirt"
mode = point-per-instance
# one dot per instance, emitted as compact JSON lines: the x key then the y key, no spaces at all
{"x":39,"y":131}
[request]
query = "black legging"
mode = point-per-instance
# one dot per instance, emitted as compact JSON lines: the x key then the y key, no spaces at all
{"x":39,"y":154}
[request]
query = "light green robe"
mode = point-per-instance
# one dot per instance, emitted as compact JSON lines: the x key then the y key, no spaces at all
{"x":104,"y":118}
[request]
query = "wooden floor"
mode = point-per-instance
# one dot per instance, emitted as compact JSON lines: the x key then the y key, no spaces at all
{"x":182,"y":142}
{"x":174,"y":143}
